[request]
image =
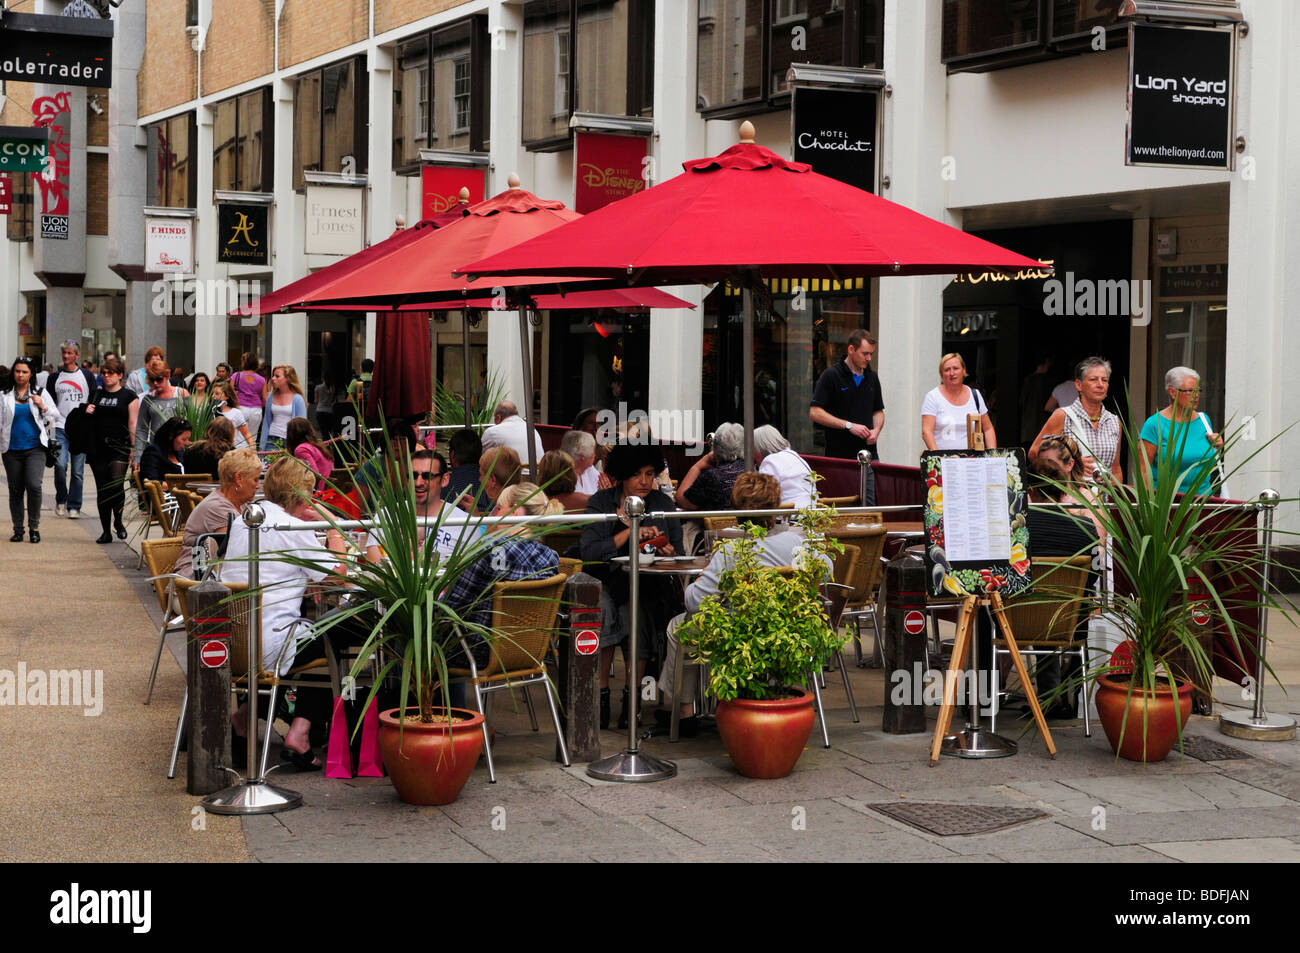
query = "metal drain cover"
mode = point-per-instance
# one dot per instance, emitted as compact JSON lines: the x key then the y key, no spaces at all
{"x":948,"y":820}
{"x":1207,"y":749}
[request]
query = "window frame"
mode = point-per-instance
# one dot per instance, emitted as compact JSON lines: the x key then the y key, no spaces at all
{"x":1048,"y":46}
{"x":637,"y":80}
{"x":268,"y":143}
{"x":192,"y":186}
{"x":853,"y":53}
{"x":360,"y":118}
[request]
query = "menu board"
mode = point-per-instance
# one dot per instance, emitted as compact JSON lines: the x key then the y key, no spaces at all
{"x":977,"y":537}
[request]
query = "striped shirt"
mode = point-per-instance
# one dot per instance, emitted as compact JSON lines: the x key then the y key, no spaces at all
{"x":1102,"y":444}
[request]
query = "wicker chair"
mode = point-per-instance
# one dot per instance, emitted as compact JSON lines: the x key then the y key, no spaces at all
{"x":186,"y":500}
{"x":561,"y":540}
{"x":162,"y":514}
{"x":570,"y":567}
{"x":523,"y":612}
{"x":160,"y":557}
{"x":1045,"y":619}
{"x":869,"y":538}
{"x":182,"y":480}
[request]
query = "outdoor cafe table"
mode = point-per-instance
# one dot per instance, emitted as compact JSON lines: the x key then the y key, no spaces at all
{"x":677,"y":566}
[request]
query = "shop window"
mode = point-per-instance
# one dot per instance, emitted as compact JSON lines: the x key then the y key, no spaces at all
{"x":441,"y":87}
{"x":242,"y":142}
{"x":172,"y":183}
{"x":980,"y":35}
{"x":591,"y":56}
{"x":18,"y":223}
{"x":330,"y":120}
{"x":742,"y":41}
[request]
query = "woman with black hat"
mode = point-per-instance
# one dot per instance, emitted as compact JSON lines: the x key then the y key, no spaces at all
{"x":632,"y":467}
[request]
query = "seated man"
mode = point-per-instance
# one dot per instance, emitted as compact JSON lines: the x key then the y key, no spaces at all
{"x":463,"y":451}
{"x":511,"y":430}
{"x":429,"y":476}
{"x":752,"y":491}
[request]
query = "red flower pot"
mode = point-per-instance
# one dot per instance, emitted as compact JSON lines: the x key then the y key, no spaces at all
{"x":1144,"y":739}
{"x":430,"y":763}
{"x":765,"y":738}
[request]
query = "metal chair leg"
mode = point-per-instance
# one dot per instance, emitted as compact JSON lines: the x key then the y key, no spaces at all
{"x":555,"y":717}
{"x":487,"y":735}
{"x":532,"y":712}
{"x":848,"y":689}
{"x":821,"y":712}
{"x":993,"y":717}
{"x":857,"y":644}
{"x":180,"y":729}
{"x":270,"y":719}
{"x":675,"y":718}
{"x":880,"y":645}
{"x":1083,"y":691}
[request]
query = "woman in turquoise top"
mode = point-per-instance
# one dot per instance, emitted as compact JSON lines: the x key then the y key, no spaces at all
{"x":1180,"y":429}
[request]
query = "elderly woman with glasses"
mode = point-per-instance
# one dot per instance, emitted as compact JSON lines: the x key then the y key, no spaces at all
{"x":707,"y":485}
{"x":1179,"y":429}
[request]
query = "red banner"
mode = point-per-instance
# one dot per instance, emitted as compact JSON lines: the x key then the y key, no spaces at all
{"x":440,"y":188}
{"x":6,"y":194}
{"x":609,"y":168}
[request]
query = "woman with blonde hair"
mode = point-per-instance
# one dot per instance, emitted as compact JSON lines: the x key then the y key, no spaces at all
{"x":555,"y":471}
{"x":284,"y":402}
{"x":945,"y":409}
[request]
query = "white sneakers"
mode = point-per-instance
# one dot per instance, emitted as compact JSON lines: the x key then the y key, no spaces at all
{"x":74,"y":514}
{"x":60,"y":509}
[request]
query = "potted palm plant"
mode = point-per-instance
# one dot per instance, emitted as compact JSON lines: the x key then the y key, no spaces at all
{"x":761,"y":636}
{"x":1177,"y":564}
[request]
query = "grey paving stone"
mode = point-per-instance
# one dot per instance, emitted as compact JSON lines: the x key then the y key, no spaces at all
{"x":1267,"y":777}
{"x":803,"y":785}
{"x":967,"y":859}
{"x":603,"y":838}
{"x":1256,"y":850}
{"x":673,"y":795}
{"x":1167,"y":827}
{"x":1059,"y":798}
{"x":1086,"y":855}
{"x":543,"y":809}
{"x":1191,"y":793}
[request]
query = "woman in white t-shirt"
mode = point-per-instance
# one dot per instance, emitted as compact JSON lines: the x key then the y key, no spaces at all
{"x":945,"y":409}
{"x":778,"y":460}
{"x":226,"y":399}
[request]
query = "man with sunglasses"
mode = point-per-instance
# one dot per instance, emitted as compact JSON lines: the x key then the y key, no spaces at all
{"x":429,"y":477}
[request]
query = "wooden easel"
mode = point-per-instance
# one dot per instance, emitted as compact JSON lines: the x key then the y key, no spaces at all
{"x":964,"y":644}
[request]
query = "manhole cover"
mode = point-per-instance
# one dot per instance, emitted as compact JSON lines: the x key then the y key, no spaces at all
{"x":948,"y":820}
{"x":1207,"y":749}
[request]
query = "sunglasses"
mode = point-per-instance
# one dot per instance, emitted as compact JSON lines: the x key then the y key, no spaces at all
{"x":417,"y":475}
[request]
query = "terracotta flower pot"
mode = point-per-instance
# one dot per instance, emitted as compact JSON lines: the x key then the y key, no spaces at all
{"x":429,"y":764}
{"x":1161,"y":710}
{"x":765,"y":738}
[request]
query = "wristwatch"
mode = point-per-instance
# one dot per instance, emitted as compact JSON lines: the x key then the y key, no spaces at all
{"x":848,"y":425}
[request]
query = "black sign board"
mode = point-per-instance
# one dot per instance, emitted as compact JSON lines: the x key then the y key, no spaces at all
{"x":68,"y":51}
{"x":1180,"y":93}
{"x":835,"y":132}
{"x":243,"y":236}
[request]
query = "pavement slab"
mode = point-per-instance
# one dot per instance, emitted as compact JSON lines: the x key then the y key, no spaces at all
{"x":1161,"y":827}
{"x":1259,"y":850}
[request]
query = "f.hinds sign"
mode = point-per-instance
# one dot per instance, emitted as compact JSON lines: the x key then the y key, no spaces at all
{"x":70,"y":51}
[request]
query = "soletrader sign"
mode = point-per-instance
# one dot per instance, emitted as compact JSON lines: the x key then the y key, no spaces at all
{"x":47,"y":49}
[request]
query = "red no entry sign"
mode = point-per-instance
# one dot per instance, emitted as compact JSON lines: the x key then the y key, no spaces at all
{"x":214,"y":653}
{"x":1200,"y":614}
{"x":586,"y":642}
{"x":914,"y":622}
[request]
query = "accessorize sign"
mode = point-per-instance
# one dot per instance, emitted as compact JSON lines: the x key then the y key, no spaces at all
{"x":1180,"y":96}
{"x":440,"y":187}
{"x":23,"y":149}
{"x":335,"y":220}
{"x":69,"y":51}
{"x":609,"y":168}
{"x":168,"y":245}
{"x":243,"y":233}
{"x":834,"y":131}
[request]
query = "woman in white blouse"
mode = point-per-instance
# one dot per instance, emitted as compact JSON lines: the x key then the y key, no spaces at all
{"x":775,"y":458}
{"x":945,"y":409}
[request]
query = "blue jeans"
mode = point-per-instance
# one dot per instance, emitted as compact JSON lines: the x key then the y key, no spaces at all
{"x":63,"y":493}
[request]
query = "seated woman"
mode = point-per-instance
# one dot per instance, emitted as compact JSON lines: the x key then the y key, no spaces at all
{"x":516,"y":555}
{"x":302,"y":441}
{"x":205,"y":456}
{"x":289,"y":560}
{"x":633,"y":467}
{"x":775,"y":458}
{"x":166,"y":452}
{"x":1059,"y":460}
{"x":239,"y":472}
{"x":555,"y":471}
{"x":752,"y":491}
{"x":707,"y":485}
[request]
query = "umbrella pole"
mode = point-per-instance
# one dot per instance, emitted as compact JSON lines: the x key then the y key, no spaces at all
{"x":747,"y":374}
{"x":469,"y":393}
{"x":526,"y":353}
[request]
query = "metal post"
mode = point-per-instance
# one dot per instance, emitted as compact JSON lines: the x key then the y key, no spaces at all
{"x":747,"y":373}
{"x":526,"y":353}
{"x":253,"y":794}
{"x":631,"y":765}
{"x":1258,"y":725}
{"x":864,"y":472}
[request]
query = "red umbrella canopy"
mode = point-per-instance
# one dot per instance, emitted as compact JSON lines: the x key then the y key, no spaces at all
{"x":422,"y":270}
{"x":748,"y":209}
{"x":619,"y":298}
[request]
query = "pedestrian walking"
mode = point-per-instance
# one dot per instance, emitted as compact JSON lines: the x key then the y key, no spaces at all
{"x":27,"y":416}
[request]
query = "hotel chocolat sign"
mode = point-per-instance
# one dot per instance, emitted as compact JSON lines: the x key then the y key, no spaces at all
{"x":335,"y":224}
{"x":243,"y":234}
{"x":68,"y":51}
{"x":1180,"y":96}
{"x":835,"y":132}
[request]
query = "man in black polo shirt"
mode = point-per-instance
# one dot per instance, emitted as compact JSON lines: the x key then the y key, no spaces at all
{"x":850,"y":405}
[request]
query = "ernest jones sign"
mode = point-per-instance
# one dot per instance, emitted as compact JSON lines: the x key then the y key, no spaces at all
{"x":65,"y":50}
